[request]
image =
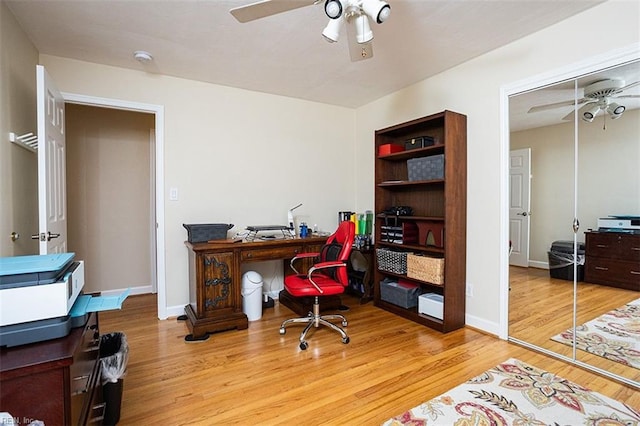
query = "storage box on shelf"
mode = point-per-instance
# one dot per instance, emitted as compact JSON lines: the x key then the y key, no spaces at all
{"x":426,"y":168}
{"x":392,"y":260}
{"x":431,"y":304}
{"x":425,"y":268}
{"x":441,"y":226}
{"x":400,"y":293}
{"x":399,"y":233}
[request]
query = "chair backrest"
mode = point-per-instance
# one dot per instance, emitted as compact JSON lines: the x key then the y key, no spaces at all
{"x":338,"y":247}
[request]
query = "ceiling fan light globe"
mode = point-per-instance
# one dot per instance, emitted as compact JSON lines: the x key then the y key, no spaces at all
{"x":615,"y":109}
{"x":377,"y":10}
{"x":333,"y":9}
{"x":331,"y":32}
{"x":363,"y":29}
{"x":588,"y":112}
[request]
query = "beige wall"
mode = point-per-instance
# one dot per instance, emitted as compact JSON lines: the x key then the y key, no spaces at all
{"x":18,"y":167}
{"x":235,"y":156}
{"x":608,"y":177}
{"x":473,"y":88}
{"x":109,"y":196}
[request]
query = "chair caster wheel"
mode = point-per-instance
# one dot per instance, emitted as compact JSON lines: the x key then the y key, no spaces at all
{"x":345,"y":340}
{"x":344,"y":323}
{"x":304,"y":345}
{"x":282,"y":330}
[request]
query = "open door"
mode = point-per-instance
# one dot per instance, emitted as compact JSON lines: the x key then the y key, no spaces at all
{"x":519,"y":206}
{"x":52,"y":194}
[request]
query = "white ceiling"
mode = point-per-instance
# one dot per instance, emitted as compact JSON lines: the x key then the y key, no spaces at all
{"x":519,"y":105}
{"x":283,"y":54}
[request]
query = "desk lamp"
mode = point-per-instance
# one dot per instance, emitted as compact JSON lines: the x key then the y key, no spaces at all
{"x":292,"y":225}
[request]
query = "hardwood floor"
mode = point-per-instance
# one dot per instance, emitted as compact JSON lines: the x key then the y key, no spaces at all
{"x":541,"y":307}
{"x":257,"y":376}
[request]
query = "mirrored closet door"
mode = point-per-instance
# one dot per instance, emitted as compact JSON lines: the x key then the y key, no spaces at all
{"x":583,"y":139}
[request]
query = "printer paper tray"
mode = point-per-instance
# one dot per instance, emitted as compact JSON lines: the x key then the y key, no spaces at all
{"x":53,"y":328}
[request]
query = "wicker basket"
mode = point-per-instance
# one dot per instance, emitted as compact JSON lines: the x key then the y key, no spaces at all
{"x":392,"y":261}
{"x":424,"y":268}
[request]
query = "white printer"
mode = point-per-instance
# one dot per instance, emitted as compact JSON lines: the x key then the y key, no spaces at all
{"x":40,"y":298}
{"x":630,"y":224}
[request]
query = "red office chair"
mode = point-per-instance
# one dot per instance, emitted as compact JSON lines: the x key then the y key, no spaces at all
{"x":327,"y":277}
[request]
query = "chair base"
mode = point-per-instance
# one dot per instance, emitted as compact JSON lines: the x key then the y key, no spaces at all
{"x":314,"y":319}
{"x":303,"y":305}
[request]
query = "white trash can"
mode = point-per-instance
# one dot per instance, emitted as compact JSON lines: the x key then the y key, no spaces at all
{"x":252,"y":295}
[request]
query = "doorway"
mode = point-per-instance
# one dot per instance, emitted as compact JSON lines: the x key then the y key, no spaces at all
{"x":156,"y":164}
{"x":110,"y":194}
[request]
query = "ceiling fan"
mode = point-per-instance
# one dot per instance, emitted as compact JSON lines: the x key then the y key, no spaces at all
{"x":354,"y":14}
{"x":598,"y":96}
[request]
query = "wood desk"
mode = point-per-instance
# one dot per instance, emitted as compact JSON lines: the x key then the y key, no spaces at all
{"x":215,"y":279}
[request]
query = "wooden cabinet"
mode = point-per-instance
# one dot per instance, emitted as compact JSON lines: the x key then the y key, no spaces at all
{"x":56,"y":381}
{"x":438,"y":204}
{"x":613,"y":259}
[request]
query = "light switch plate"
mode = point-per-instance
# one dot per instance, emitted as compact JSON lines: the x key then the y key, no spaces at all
{"x":173,"y":194}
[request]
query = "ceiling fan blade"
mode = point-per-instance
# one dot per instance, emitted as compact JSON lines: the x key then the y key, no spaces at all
{"x":554,"y":105}
{"x":629,"y":86}
{"x":357,"y":51}
{"x":264,"y":8}
{"x":626,"y":96}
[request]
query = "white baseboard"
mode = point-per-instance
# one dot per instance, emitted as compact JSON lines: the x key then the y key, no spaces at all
{"x":174,"y":311}
{"x":538,"y":264}
{"x":483,"y":325}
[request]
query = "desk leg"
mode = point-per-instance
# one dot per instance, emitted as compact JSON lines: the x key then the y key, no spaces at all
{"x":200,"y":328}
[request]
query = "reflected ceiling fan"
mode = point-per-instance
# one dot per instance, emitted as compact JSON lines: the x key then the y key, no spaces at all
{"x":598,"y":96}
{"x":353,"y":14}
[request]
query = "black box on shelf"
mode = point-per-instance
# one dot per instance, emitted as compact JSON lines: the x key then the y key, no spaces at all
{"x":426,"y":168}
{"x":419,"y":142}
{"x":200,"y":233}
{"x":401,"y":294}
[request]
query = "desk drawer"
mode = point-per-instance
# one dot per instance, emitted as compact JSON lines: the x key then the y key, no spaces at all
{"x":614,"y":245}
{"x":271,"y":253}
{"x":85,"y":367}
{"x":616,"y":273}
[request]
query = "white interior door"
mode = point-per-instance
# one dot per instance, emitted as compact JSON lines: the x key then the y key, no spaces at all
{"x":52,"y":199}
{"x":519,"y":206}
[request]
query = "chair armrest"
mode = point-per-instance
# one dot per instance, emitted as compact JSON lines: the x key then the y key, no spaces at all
{"x":301,"y":256}
{"x":322,"y":265}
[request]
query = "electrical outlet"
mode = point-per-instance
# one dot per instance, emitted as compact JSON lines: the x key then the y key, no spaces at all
{"x":469,"y":290}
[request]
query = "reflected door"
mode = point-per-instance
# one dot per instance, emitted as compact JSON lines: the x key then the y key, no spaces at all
{"x":541,"y":296}
{"x":608,"y":302}
{"x":519,"y":206}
